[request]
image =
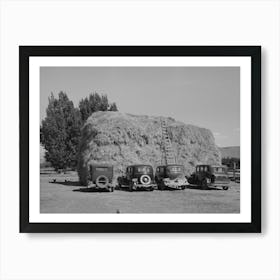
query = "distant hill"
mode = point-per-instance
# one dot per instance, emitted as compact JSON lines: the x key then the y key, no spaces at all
{"x":230,"y":152}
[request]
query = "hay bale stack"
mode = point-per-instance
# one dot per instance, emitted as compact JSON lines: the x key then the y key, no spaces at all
{"x":123,"y":139}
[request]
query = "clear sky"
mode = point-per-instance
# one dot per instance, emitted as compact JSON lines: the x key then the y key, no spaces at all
{"x":204,"y":96}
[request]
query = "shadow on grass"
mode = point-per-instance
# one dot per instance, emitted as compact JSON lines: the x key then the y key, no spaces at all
{"x":47,"y":173}
{"x":86,"y":189}
{"x":66,"y":183}
{"x":195,"y":187}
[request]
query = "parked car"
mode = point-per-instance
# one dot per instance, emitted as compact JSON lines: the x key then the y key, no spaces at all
{"x":171,"y":177}
{"x":210,"y":175}
{"x":237,"y":175}
{"x":100,"y":177}
{"x":137,"y":177}
{"x":234,"y":175}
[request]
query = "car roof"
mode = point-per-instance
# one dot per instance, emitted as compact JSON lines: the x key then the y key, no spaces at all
{"x":100,"y":165}
{"x":140,"y":165}
{"x":170,"y":165}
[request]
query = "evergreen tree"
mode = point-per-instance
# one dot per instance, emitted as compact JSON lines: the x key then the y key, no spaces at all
{"x":113,"y":107}
{"x":95,"y":103}
{"x":60,"y":132}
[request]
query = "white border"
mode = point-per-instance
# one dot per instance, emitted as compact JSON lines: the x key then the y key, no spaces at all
{"x":245,"y":138}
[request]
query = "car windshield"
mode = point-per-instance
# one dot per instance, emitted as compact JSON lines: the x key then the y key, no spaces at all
{"x":101,"y":168}
{"x":143,"y":169}
{"x":202,"y":168}
{"x":175,"y":169}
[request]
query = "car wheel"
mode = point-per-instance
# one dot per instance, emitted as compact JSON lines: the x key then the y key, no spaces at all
{"x":102,"y":181}
{"x":131,"y":189}
{"x":204,"y":185}
{"x":145,"y":179}
{"x":225,"y":188}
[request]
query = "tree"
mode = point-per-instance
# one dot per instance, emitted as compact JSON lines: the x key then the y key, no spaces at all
{"x":95,"y":103}
{"x":113,"y":107}
{"x":60,"y":132}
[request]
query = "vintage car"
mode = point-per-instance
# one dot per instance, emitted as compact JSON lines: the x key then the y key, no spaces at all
{"x":210,"y":175}
{"x":234,"y":175}
{"x":171,"y":177}
{"x":237,"y":175}
{"x":100,"y":177}
{"x":137,"y":177}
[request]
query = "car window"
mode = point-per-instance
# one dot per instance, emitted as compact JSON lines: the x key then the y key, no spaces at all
{"x":175,"y":169}
{"x":202,"y":168}
{"x":219,"y":169}
{"x":143,"y":169}
{"x":101,"y":168}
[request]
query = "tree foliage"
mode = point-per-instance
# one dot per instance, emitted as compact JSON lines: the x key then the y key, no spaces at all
{"x":60,"y":132}
{"x":94,"y":103}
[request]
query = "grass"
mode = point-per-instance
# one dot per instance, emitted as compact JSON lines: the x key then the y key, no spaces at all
{"x":60,"y":197}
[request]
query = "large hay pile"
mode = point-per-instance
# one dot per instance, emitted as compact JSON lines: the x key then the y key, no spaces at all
{"x":124,"y":139}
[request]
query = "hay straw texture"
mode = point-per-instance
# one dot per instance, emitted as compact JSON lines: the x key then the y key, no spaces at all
{"x":124,"y":139}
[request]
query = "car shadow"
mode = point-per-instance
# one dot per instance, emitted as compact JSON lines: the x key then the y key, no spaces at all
{"x":195,"y":187}
{"x":66,"y":183}
{"x":86,"y":189}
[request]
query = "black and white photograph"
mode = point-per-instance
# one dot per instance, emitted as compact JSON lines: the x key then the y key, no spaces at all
{"x":140,"y":140}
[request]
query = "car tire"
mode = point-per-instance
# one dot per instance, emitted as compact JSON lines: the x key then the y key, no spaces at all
{"x":131,"y":189}
{"x":225,"y":188}
{"x":145,"y":179}
{"x":102,"y":181}
{"x":204,"y":185}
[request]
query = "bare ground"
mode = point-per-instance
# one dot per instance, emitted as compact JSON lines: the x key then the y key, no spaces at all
{"x":60,"y":197}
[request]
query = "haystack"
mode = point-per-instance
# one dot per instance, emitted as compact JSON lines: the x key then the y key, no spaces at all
{"x":123,"y":139}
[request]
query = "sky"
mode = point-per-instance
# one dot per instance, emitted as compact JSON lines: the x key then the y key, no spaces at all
{"x":203,"y":96}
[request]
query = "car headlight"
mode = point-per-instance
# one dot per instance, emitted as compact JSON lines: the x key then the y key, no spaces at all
{"x":134,"y":180}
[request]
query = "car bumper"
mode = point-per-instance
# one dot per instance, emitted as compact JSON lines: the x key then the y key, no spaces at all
{"x":140,"y":186}
{"x":175,"y":184}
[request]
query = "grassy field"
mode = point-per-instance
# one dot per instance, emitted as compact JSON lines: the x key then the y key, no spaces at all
{"x":60,"y":197}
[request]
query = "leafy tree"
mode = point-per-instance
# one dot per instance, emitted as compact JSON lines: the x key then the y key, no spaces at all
{"x":113,"y":107}
{"x":94,"y":103}
{"x":60,"y":132}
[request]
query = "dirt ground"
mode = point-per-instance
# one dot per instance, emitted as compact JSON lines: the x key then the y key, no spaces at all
{"x":60,"y":197}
